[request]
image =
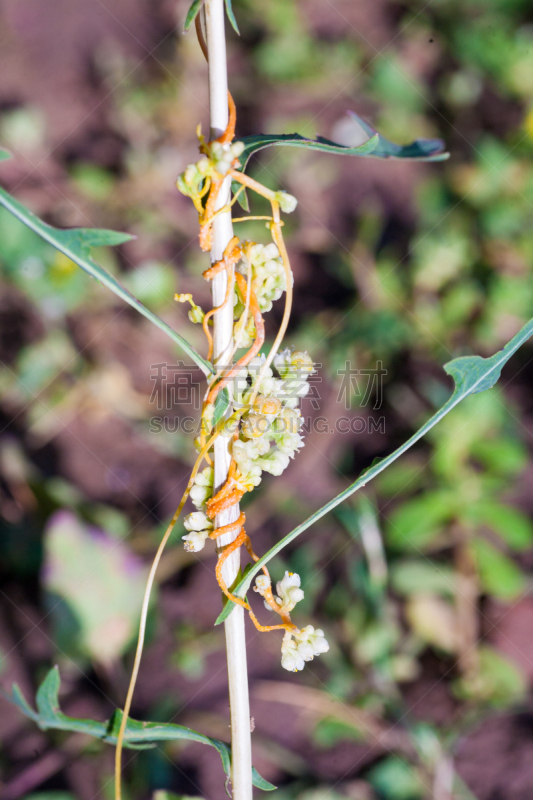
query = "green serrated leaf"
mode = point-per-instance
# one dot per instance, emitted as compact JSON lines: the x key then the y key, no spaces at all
{"x":471,"y":374}
{"x":231,"y":17}
{"x":76,"y":244}
{"x":222,"y":403}
{"x":376,"y":146}
{"x":192,"y":13}
{"x":138,"y":735}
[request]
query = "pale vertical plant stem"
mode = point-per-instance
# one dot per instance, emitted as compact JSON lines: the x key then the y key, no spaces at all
{"x":222,"y":353}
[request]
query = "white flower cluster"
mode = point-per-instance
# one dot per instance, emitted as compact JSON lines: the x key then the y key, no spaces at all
{"x":220,"y":160}
{"x":197,"y":523}
{"x":270,"y":433}
{"x":224,"y":156}
{"x":288,"y":589}
{"x":199,"y":527}
{"x":202,"y":488}
{"x":298,"y":646}
{"x":268,"y":274}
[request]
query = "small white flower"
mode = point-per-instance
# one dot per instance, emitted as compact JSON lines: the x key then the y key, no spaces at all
{"x":311,"y":642}
{"x":289,"y":421}
{"x":191,"y":179}
{"x":237,"y":149}
{"x":199,"y":495}
{"x":289,"y":592}
{"x":255,"y":366}
{"x":270,"y":251}
{"x":221,"y":157}
{"x":197,"y":521}
{"x":260,"y":447}
{"x":204,"y":166}
{"x":202,"y":488}
{"x":275,"y":462}
{"x":286,"y":201}
{"x":195,"y":541}
{"x":268,"y":406}
{"x":262,"y":584}
{"x":242,"y":337}
{"x":250,"y":478}
{"x":302,"y":363}
{"x":271,"y":386}
{"x":290,"y":656}
{"x":294,"y":390}
{"x":205,"y":477}
{"x":289,"y":443}
{"x":301,"y":646}
{"x":255,"y":425}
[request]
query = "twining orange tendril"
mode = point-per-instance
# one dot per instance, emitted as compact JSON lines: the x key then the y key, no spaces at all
{"x":231,"y":256}
{"x":229,"y":134}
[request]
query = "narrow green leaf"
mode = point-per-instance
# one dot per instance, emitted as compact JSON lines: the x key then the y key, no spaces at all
{"x":47,"y":697}
{"x":252,"y":144}
{"x":419,"y":150}
{"x":471,"y":374}
{"x":231,"y":17}
{"x":76,"y":244}
{"x":18,"y":699}
{"x":222,"y":404}
{"x":138,"y":735}
{"x":242,"y":197}
{"x":376,"y":145}
{"x":260,"y":782}
{"x":192,"y":13}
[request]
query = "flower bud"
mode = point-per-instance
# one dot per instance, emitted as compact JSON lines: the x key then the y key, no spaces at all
{"x":262,"y":584}
{"x":302,"y":363}
{"x":289,"y":592}
{"x":195,"y":541}
{"x":311,"y":642}
{"x":291,"y":659}
{"x":205,"y":477}
{"x":268,"y":406}
{"x":197,"y":521}
{"x":275,"y":463}
{"x":286,"y":201}
{"x":199,"y":495}
{"x":255,"y":425}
